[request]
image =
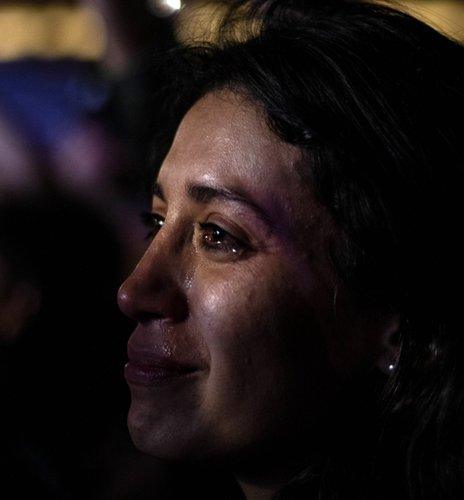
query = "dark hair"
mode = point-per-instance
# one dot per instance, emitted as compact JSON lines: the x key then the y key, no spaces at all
{"x":375,"y":98}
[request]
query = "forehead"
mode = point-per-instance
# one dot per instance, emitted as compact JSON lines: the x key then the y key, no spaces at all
{"x":224,"y":139}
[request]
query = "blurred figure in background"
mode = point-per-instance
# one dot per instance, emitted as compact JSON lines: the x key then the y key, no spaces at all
{"x":18,"y":172}
{"x":82,"y":126}
{"x":60,"y":340}
{"x":71,"y":133}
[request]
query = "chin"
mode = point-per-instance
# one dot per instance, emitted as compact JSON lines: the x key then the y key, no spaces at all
{"x":159,"y":437}
{"x":168,"y":437}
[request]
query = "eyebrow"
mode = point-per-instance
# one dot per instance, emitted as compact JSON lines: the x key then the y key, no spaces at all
{"x":203,"y":194}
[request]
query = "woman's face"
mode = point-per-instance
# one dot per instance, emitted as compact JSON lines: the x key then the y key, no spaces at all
{"x":237,"y":346}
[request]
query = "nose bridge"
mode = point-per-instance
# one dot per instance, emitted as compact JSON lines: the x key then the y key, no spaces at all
{"x":154,"y":288}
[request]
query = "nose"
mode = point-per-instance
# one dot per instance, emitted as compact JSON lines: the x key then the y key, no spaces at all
{"x":154,"y":290}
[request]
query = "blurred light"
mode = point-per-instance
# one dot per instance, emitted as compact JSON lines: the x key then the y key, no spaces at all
{"x":50,"y":31}
{"x":163,"y":8}
{"x":197,"y":21}
{"x":445,"y":15}
{"x":174,"y":4}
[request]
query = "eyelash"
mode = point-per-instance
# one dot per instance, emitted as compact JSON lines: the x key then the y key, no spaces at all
{"x":208,"y":230}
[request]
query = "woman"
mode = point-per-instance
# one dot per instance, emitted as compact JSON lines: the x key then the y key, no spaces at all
{"x":297,"y":319}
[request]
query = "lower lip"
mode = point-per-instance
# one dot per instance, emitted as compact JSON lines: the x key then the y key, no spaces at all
{"x":150,"y":375}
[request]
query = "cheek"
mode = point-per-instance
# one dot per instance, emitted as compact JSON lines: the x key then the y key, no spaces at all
{"x":254,"y":320}
{"x":238,"y":311}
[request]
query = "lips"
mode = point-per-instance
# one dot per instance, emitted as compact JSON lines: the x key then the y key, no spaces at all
{"x":154,"y":366}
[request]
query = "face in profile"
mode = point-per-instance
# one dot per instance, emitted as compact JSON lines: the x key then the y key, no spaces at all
{"x":237,"y":346}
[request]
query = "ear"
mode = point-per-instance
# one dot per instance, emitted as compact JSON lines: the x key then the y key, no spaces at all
{"x":387,"y":360}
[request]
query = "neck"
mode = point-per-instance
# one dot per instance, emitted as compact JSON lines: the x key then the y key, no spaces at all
{"x":253,"y":491}
{"x":264,"y":482}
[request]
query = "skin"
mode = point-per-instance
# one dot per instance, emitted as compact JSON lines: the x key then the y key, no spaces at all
{"x":260,"y":308}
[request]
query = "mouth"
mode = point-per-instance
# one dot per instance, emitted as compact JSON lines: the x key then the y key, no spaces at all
{"x":149,"y":374}
{"x":148,"y":368}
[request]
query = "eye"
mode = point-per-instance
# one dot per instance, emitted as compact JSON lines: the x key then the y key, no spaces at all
{"x":154,"y":222}
{"x":215,"y":239}
{"x":211,"y":237}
